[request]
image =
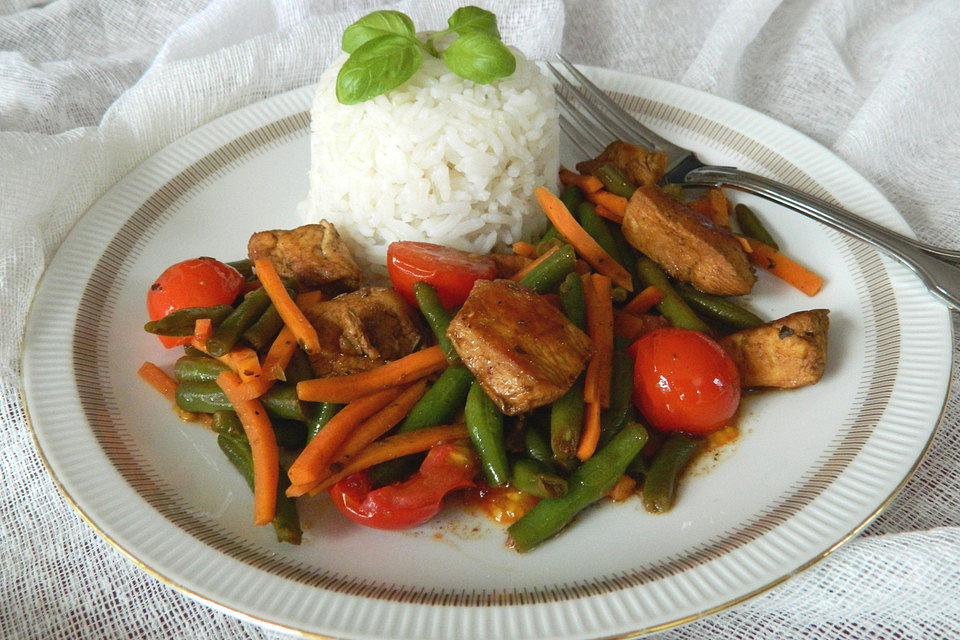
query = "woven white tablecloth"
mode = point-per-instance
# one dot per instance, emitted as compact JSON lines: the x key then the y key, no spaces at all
{"x":89,"y":89}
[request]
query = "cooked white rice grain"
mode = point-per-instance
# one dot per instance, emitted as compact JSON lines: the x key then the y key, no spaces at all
{"x":440,"y":159}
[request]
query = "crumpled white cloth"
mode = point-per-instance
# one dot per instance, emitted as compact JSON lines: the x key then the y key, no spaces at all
{"x":90,"y":89}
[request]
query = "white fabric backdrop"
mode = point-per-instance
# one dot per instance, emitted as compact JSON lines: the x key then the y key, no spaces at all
{"x":90,"y":89}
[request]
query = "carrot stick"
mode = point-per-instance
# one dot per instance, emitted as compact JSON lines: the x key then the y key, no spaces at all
{"x":373,"y":427}
{"x":586,"y":183}
{"x":159,"y":380}
{"x":784,"y":268}
{"x":530,"y":266}
{"x":590,"y":435}
{"x":346,"y":388}
{"x":244,"y":361}
{"x":611,"y":201}
{"x":323,"y":447}
{"x":644,"y":301}
{"x":603,"y":212}
{"x":590,"y":377}
{"x":631,"y":327}
{"x":623,"y":489}
{"x":307,"y":299}
{"x":263,"y":445}
{"x":279,"y":354}
{"x":202,"y":329}
{"x":720,"y":208}
{"x":390,"y":448}
{"x":585,"y":245}
{"x":286,"y":307}
{"x":524,"y":249}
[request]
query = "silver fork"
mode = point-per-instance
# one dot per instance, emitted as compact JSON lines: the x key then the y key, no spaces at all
{"x":591,"y":119}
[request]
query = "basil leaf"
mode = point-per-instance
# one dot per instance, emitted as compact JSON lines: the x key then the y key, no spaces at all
{"x":376,"y":25}
{"x":471,"y":18}
{"x":377,"y":66}
{"x":480,"y":57}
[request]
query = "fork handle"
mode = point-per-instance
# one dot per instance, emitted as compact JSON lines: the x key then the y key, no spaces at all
{"x":937,"y":268}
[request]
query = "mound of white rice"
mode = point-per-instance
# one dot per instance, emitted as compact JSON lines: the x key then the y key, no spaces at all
{"x":439,"y":159}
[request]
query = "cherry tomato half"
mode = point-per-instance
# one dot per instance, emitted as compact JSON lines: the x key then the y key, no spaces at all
{"x":450,"y":271}
{"x":446,"y":468}
{"x":684,"y":381}
{"x":199,"y":282}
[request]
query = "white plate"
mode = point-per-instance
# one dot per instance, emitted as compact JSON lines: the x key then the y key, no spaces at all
{"x":811,"y":468}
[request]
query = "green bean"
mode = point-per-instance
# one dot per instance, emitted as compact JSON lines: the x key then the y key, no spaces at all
{"x":286,"y":521}
{"x":571,"y":300}
{"x":752,"y":227}
{"x":572,"y":198}
{"x":439,"y":405}
{"x":614,"y":181}
{"x":672,"y":306}
{"x":536,"y":445}
{"x":590,"y":482}
{"x":198,"y":369}
{"x":244,"y":315}
{"x":566,"y":423}
{"x":244,"y":266}
{"x":299,"y":368}
{"x":320,"y":416}
{"x":280,"y":401}
{"x":537,"y":479}
{"x":290,"y":434}
{"x":621,"y":389}
{"x":181,"y":322}
{"x":673,"y":456}
{"x":718,"y":307}
{"x":485,"y":424}
{"x":437,"y":316}
{"x":599,"y":231}
{"x":228,"y":423}
{"x":261,"y":333}
{"x":551,"y":272}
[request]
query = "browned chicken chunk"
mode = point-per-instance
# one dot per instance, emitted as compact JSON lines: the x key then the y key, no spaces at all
{"x":314,"y":254}
{"x":789,"y":352}
{"x":686,"y":244}
{"x":639,"y":164}
{"x":522,"y":351}
{"x":361,"y":330}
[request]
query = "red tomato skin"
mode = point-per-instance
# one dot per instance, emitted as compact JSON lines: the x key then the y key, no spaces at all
{"x":450,"y":271}
{"x":406,"y":504}
{"x":684,"y":381}
{"x":198,"y":282}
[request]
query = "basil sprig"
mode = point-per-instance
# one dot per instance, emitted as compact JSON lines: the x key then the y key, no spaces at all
{"x":385,"y":51}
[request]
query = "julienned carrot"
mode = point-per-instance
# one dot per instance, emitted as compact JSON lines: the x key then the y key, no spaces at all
{"x":586,"y":183}
{"x":786,"y":269}
{"x":582,"y":241}
{"x":202,"y":329}
{"x":318,"y":453}
{"x":599,"y":306}
{"x":603,"y":212}
{"x":590,"y":435}
{"x":263,"y":445}
{"x":242,"y":360}
{"x":630,"y":327}
{"x":286,"y":307}
{"x":623,"y":489}
{"x":611,"y":201}
{"x":346,"y":388}
{"x":524,"y":249}
{"x":368,"y":431}
{"x":644,"y":301}
{"x":279,"y":354}
{"x":530,"y":266}
{"x":247,"y":389}
{"x":396,"y":446}
{"x":719,"y":206}
{"x":309,"y":298}
{"x":159,"y":380}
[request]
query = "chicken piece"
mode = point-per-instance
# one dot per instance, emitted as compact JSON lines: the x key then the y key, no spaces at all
{"x":686,"y":244}
{"x":522,"y":351}
{"x":638,"y":164}
{"x":508,"y":263}
{"x":361,"y":330}
{"x":314,"y":254}
{"x":786,"y":353}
